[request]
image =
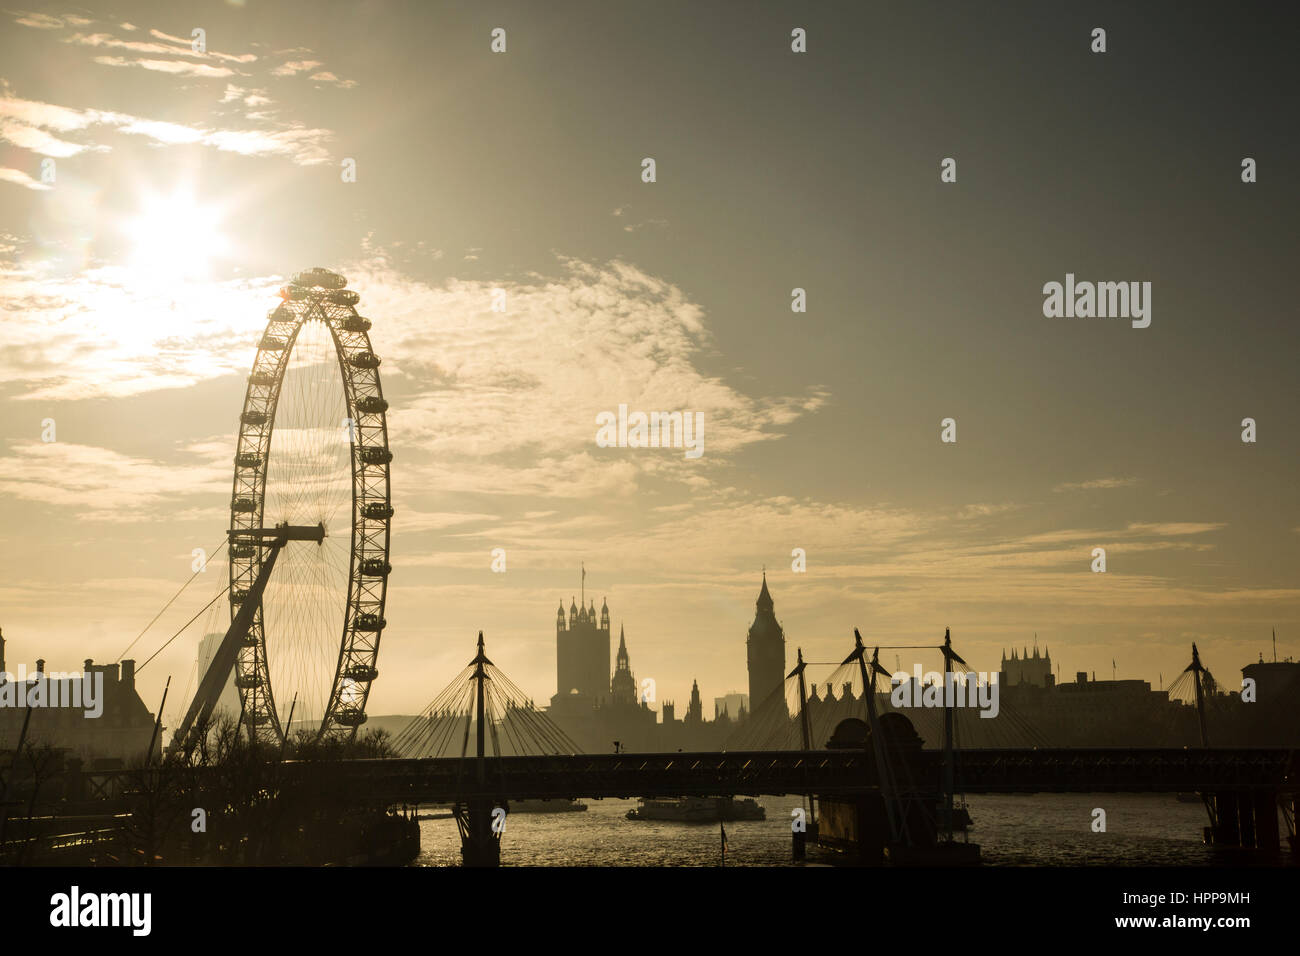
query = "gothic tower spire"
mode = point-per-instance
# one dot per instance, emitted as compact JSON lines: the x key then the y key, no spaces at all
{"x":622,"y":686}
{"x":765,"y":645}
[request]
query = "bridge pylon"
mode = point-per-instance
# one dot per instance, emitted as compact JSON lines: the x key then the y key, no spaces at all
{"x":479,"y":822}
{"x":801,"y":835}
{"x":1244,"y":818}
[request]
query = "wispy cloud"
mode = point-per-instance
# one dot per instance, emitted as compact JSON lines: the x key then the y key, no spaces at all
{"x":294,"y":67}
{"x":649,"y":223}
{"x":325,"y":76}
{"x":493,"y":403}
{"x":501,"y":401}
{"x":174,"y":67}
{"x":60,"y":348}
{"x":125,"y":47}
{"x":32,"y":125}
{"x":1096,"y":484}
{"x":986,"y":510}
{"x":20,"y":178}
{"x":186,"y":42}
{"x":44,"y":21}
{"x":162,"y":43}
{"x":98,"y":484}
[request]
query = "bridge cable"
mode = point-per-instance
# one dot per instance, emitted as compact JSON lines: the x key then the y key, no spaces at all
{"x":202,"y":610}
{"x":169,"y":604}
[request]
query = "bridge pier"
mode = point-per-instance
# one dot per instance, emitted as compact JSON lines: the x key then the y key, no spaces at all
{"x":1267,"y":836}
{"x":800,"y":839}
{"x":1226,"y":829}
{"x":480,"y":845}
{"x":859,"y":826}
{"x":1293,"y":817}
{"x":1245,"y":818}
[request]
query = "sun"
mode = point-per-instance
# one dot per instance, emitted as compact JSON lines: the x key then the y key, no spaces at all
{"x":175,"y":237}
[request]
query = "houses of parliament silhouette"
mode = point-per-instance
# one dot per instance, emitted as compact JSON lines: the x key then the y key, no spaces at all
{"x":601,"y":710}
{"x":598,"y":710}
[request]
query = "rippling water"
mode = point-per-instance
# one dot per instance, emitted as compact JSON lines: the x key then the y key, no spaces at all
{"x":1033,"y":830}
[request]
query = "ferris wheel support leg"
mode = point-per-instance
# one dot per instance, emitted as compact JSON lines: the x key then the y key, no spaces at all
{"x":223,"y":661}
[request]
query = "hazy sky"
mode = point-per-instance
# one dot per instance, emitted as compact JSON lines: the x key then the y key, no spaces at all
{"x":187,"y":186}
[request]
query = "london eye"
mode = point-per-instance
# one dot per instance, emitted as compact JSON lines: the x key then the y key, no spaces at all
{"x":312,"y":467}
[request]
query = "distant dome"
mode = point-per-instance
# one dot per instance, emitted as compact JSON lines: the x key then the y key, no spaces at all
{"x":850,"y":732}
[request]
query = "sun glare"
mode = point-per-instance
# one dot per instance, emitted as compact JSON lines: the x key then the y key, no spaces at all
{"x":175,"y":237}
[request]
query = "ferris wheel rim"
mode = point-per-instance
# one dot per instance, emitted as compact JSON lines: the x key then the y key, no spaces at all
{"x":363,"y":621}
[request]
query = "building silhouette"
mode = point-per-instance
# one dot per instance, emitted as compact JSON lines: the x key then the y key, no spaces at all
{"x":597,"y":707}
{"x":119,"y":735}
{"x":1023,"y":669}
{"x":592,"y":706}
{"x":766,"y":656}
{"x":1276,"y":682}
{"x":582,"y":652}
{"x":734,"y":706}
{"x":695,"y":709}
{"x":622,"y":686}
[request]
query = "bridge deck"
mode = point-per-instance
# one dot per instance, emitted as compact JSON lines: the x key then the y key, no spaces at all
{"x":820,"y":772}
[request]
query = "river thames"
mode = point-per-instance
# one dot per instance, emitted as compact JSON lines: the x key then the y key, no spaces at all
{"x":1012,"y":830}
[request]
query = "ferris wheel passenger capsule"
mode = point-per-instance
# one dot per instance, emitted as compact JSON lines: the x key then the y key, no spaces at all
{"x":350,"y":716}
{"x":317,"y":277}
{"x":343,"y":297}
{"x":364,"y":360}
{"x":361,"y":672}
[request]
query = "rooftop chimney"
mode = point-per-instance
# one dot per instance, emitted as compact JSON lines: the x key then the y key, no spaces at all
{"x":40,"y":666}
{"x":128,"y":674}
